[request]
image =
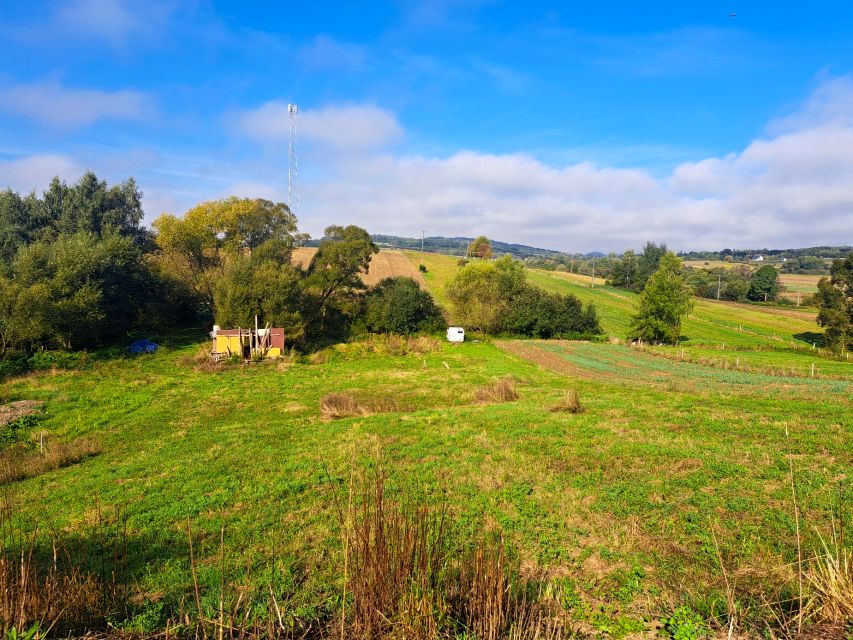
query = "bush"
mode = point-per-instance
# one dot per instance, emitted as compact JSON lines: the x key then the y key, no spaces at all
{"x":422,"y":268}
{"x":494,"y":297}
{"x":540,"y":314}
{"x":398,"y":305}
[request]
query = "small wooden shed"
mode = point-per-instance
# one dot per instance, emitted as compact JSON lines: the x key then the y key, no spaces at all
{"x":268,"y":342}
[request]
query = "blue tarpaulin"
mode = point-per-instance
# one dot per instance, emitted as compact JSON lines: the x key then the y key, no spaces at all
{"x":142,"y":346}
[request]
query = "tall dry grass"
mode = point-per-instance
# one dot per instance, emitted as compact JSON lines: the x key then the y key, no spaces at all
{"x":51,"y":581}
{"x":406,"y":577}
{"x":345,"y":405}
{"x":18,"y":463}
{"x":500,"y":390}
{"x":569,"y":403}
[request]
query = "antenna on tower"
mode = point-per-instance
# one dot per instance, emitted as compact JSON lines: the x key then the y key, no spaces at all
{"x":293,"y":167}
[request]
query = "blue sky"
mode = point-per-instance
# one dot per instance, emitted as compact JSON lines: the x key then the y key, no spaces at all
{"x":575,"y":126}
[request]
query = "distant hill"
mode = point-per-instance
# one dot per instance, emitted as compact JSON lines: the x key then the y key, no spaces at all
{"x":458,"y":246}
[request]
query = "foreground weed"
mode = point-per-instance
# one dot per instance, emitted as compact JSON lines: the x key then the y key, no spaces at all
{"x":685,"y":624}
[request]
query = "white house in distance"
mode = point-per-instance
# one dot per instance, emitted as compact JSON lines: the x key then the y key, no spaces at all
{"x":758,"y":258}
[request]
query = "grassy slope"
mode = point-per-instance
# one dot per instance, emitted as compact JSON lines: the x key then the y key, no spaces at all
{"x":740,"y":329}
{"x":622,"y":497}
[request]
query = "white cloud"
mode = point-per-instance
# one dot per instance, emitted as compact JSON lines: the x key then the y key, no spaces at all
{"x":114,"y":21}
{"x":342,"y":127}
{"x":53,"y":105}
{"x":36,"y":171}
{"x":792,"y":187}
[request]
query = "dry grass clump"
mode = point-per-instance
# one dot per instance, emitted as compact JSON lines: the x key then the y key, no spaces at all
{"x":344,"y":405}
{"x":829,"y":578}
{"x":17,"y":463}
{"x":53,"y":582}
{"x":500,"y":390}
{"x":570,"y":403}
{"x":405,"y":577}
{"x":201,"y":360}
{"x":396,"y":345}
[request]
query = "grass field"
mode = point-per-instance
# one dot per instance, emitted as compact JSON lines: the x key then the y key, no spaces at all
{"x":619,"y":504}
{"x":716,"y":264}
{"x":674,"y":479}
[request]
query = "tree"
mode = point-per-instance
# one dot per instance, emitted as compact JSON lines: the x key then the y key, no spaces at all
{"x":648,"y":263}
{"x":494,"y":297}
{"x":87,"y":290}
{"x":764,"y":284}
{"x":481,"y":292}
{"x":835,"y":305}
{"x":480,"y":247}
{"x":263,"y":284}
{"x":332,"y":285}
{"x":624,"y":273}
{"x":399,"y":305}
{"x":665,"y":300}
{"x":198,"y":247}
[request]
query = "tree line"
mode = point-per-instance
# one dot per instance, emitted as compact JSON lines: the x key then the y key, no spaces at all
{"x":79,"y":270}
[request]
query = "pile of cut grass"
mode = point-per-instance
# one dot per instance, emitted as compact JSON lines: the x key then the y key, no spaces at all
{"x":500,"y":390}
{"x":345,"y":405}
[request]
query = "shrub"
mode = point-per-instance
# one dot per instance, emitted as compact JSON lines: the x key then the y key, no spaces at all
{"x":422,"y":268}
{"x":398,"y":305}
{"x":539,"y":314}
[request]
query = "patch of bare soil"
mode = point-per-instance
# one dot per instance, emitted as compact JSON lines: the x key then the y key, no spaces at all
{"x":385,"y":264}
{"x":545,"y":359}
{"x":14,"y":410}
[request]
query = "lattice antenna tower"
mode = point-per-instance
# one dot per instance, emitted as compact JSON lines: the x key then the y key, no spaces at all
{"x":293,"y":166}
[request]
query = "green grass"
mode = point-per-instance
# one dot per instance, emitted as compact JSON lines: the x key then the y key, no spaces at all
{"x":622,"y":497}
{"x":619,"y":505}
{"x":759,"y":336}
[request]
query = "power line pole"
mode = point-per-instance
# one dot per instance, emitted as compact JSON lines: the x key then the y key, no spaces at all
{"x":422,"y":244}
{"x":719,"y":281}
{"x":592,"y":284}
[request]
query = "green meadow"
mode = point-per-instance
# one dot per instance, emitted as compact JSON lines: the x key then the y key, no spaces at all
{"x":675,"y":477}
